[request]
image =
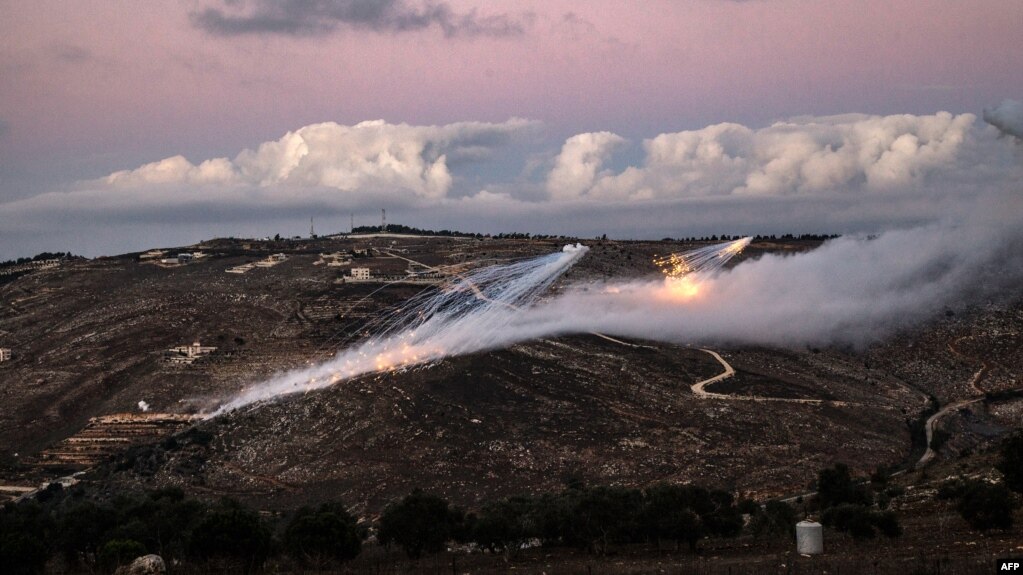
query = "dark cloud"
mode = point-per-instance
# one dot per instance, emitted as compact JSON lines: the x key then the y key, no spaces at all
{"x":1007,"y":117}
{"x":71,"y":53}
{"x":319,"y":17}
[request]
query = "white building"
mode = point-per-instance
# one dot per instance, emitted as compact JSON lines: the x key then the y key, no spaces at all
{"x":360,"y":274}
{"x":188,"y":353}
{"x":5,"y":354}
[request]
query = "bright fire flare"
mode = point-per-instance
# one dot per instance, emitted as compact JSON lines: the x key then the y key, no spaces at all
{"x":682,"y":288}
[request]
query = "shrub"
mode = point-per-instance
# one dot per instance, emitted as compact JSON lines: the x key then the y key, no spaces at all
{"x":419,"y":523}
{"x":232,"y":533}
{"x":318,"y":536}
{"x":985,"y":506}
{"x":860,"y":521}
{"x":506,"y":525}
{"x":117,"y":552}
{"x":777,"y":518}
{"x":835,"y":487}
{"x":1010,"y":462}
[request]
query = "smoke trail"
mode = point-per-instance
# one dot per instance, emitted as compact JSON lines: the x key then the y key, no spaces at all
{"x":851,"y":291}
{"x":469,"y":314}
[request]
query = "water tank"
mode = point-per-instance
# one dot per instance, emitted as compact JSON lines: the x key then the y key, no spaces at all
{"x":809,"y":538}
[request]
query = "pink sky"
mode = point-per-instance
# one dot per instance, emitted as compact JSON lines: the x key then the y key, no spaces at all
{"x":91,"y":87}
{"x":125,"y":78}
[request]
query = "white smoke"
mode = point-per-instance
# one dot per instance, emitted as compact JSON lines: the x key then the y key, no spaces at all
{"x":854,"y":291}
{"x":468,"y":315}
{"x":143,"y":406}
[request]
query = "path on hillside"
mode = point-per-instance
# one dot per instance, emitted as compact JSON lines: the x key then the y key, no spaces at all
{"x":933,"y":420}
{"x":699,"y":388}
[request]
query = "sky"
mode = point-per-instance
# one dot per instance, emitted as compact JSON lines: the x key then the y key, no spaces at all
{"x":128,"y":125}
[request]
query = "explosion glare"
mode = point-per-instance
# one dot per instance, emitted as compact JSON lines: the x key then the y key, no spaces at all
{"x":686,"y":272}
{"x":468,"y":314}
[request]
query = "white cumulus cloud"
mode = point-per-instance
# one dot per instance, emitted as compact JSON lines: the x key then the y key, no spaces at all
{"x":801,"y":156}
{"x":577,"y":166}
{"x":369,"y":157}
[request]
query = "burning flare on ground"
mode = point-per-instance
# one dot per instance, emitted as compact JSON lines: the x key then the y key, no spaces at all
{"x":685,"y":273}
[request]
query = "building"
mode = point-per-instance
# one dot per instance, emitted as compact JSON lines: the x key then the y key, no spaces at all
{"x":5,"y":354}
{"x":271,"y":261}
{"x":359,"y":274}
{"x":188,"y":353}
{"x":185,"y":257}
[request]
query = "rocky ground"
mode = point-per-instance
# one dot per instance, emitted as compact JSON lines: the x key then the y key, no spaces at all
{"x":89,"y":339}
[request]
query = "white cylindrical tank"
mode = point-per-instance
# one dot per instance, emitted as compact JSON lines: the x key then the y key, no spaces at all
{"x":809,"y":538}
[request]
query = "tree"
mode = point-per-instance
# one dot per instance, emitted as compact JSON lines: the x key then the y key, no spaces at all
{"x":22,"y":554}
{"x":1011,"y":462}
{"x":117,"y":552}
{"x":506,"y":525}
{"x":777,"y":518}
{"x":985,"y":506}
{"x":317,"y":536}
{"x":232,"y":533}
{"x":835,"y":487}
{"x":419,"y":523}
{"x":667,"y":515}
{"x":850,"y":518}
{"x":82,"y":530}
{"x":860,"y":521}
{"x":605,"y":515}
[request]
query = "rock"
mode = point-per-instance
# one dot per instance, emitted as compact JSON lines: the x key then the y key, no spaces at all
{"x":145,"y":565}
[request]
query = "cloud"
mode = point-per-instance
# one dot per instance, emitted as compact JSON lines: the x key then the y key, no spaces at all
{"x":370,"y":158}
{"x":803,"y":156}
{"x":576,"y":167}
{"x":838,"y":174}
{"x":319,"y":17}
{"x":1007,"y":117}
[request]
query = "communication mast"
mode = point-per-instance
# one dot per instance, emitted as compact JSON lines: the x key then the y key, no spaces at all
{"x":383,"y":220}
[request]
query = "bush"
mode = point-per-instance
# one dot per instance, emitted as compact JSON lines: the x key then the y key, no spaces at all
{"x":232,"y":533}
{"x":605,"y":515}
{"x":117,"y":552}
{"x":836,"y":487}
{"x":777,"y":518}
{"x":419,"y":523}
{"x":860,"y":522}
{"x":318,"y":536}
{"x":506,"y":525}
{"x":22,"y":554}
{"x":985,"y":506}
{"x":667,"y":515}
{"x":1010,"y":462}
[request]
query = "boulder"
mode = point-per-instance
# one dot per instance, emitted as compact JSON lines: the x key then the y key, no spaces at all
{"x":145,"y":565}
